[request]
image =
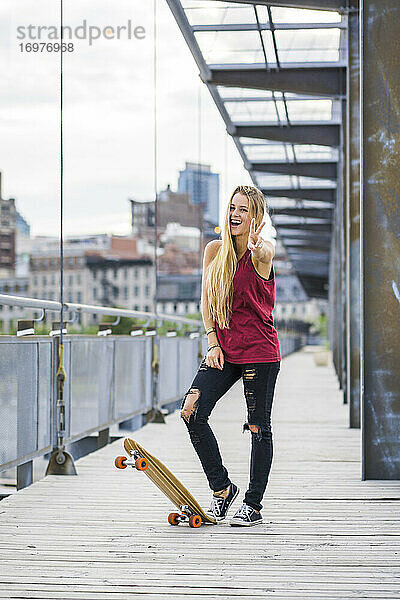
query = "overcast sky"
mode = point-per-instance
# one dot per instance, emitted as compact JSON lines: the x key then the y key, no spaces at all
{"x":108,"y":117}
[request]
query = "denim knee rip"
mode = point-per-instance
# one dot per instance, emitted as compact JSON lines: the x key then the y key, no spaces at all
{"x":189,"y":406}
{"x":263,"y":431}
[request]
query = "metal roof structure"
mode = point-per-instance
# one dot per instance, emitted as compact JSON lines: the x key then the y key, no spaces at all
{"x":277,"y":75}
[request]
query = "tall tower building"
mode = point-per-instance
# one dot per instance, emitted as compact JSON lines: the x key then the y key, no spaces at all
{"x":7,"y":235}
{"x":202,"y":185}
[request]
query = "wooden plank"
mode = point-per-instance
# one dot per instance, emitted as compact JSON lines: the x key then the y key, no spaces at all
{"x":104,"y":533}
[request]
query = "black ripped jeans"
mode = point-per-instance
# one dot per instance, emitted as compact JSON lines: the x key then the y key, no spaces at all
{"x":208,"y":386}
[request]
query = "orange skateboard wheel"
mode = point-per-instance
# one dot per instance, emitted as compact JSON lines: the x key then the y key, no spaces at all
{"x":120,"y":462}
{"x":173,"y":518}
{"x":141,"y":464}
{"x":194,"y":521}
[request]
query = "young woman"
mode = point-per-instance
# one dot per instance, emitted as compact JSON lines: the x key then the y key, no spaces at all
{"x":238,"y":294}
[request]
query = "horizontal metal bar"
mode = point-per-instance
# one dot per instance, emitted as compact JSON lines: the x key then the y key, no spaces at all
{"x":323,"y":194}
{"x":328,"y":5}
{"x":313,"y":213}
{"x":322,"y":169}
{"x":51,"y":305}
{"x":321,"y":134}
{"x":26,"y":458}
{"x":328,"y":79}
{"x":297,"y":98}
{"x":267,"y":26}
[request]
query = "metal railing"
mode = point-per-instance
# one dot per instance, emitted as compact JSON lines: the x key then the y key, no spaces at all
{"x":109,"y":380}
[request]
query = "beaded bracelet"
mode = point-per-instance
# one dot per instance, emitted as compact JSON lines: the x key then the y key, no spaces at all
{"x":211,"y":347}
{"x":210,"y":330}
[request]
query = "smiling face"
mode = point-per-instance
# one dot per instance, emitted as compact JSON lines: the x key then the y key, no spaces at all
{"x":239,"y":218}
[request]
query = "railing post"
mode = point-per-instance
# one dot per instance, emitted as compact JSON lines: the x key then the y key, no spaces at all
{"x":61,"y":462}
{"x":24,"y":475}
{"x":156,"y":415}
{"x":103,"y":438}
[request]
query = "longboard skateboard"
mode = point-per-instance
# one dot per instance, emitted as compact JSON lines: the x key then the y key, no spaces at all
{"x":189,"y":509}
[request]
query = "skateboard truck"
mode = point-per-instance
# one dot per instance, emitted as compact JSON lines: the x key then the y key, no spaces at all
{"x":186,"y":514}
{"x":137,"y":461}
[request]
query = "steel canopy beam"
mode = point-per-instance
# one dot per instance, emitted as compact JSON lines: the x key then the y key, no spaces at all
{"x":312,"y":213}
{"x":322,"y":194}
{"x":328,"y":5}
{"x":267,"y":26}
{"x":290,"y":236}
{"x":307,"y":246}
{"x":322,"y":80}
{"x":325,"y":227}
{"x":321,"y":134}
{"x":319,"y":169}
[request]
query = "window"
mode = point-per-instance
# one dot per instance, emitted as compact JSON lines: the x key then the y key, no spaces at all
{"x":147,"y":308}
{"x":136,"y":291}
{"x":95,"y":293}
{"x":94,"y":274}
{"x":53,"y":280}
{"x":136,"y":273}
{"x":115,"y":273}
{"x":125,"y":273}
{"x":70,"y":280}
{"x":79,"y":297}
{"x":126,"y":293}
{"x":136,"y":307}
{"x":35,"y":280}
{"x":147,"y":291}
{"x":70,"y":262}
{"x":44,"y":280}
{"x":78,"y":279}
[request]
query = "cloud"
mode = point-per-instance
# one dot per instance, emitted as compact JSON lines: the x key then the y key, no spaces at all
{"x":108,"y":116}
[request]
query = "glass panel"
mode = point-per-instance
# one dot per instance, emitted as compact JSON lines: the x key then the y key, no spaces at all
{"x":233,"y":92}
{"x":207,"y":13}
{"x":267,"y":180}
{"x":265,"y":151}
{"x":315,"y":152}
{"x":316,"y":45}
{"x":229,"y":47}
{"x":309,"y":110}
{"x":296,"y":15}
{"x":251,"y":111}
{"x":314,"y":182}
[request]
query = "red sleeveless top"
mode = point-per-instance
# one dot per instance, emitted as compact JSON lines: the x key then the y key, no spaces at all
{"x":251,"y":336}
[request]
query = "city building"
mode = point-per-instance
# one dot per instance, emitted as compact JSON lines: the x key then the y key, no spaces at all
{"x":202,"y":185}
{"x":22,"y":226}
{"x":179,"y":294}
{"x":14,"y":286}
{"x":171,"y":207}
{"x":94,"y":279}
{"x":7,"y":235}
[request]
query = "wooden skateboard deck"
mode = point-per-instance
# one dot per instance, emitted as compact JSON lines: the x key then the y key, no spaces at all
{"x":189,"y":509}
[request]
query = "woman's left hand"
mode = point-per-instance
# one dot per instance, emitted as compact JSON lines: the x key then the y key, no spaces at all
{"x":255,"y":241}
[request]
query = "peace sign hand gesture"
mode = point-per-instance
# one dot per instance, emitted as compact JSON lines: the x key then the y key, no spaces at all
{"x":255,"y":241}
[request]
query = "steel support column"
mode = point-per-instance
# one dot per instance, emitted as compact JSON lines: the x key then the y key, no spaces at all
{"x":380,"y":242}
{"x":353,"y":220}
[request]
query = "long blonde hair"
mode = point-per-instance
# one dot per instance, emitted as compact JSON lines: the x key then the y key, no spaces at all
{"x":221,"y":270}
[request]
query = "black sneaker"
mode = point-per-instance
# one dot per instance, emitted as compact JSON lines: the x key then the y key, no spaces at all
{"x":245,"y":517}
{"x":219,"y":506}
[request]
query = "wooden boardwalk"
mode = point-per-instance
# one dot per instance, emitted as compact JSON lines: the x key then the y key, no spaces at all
{"x":104,"y":534}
